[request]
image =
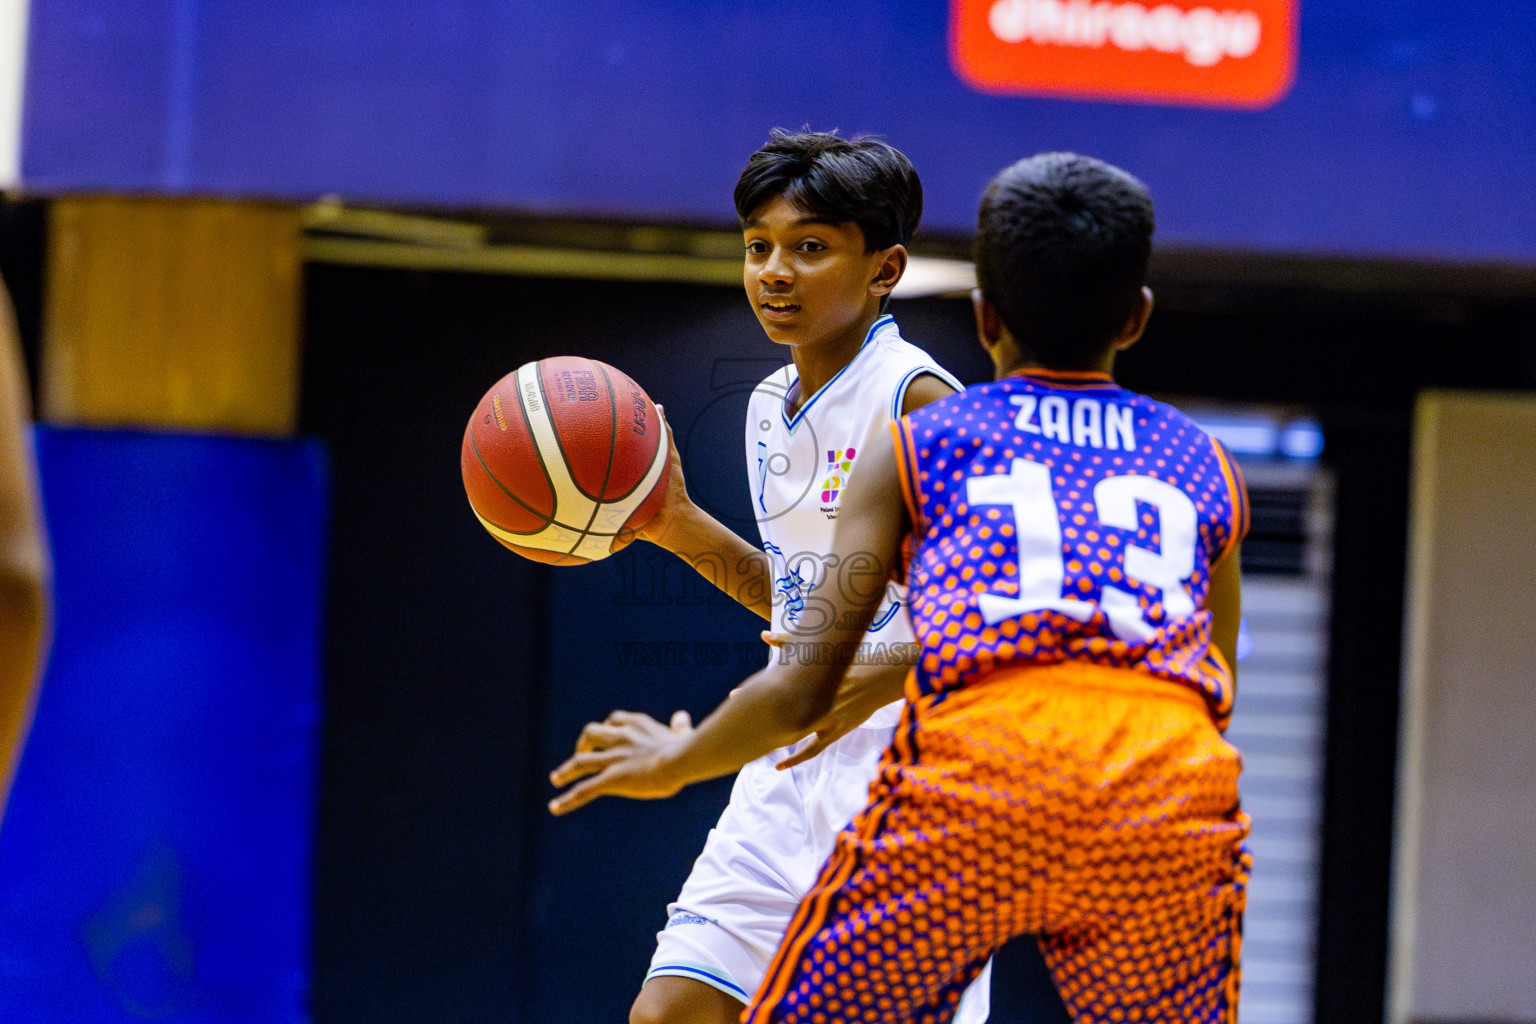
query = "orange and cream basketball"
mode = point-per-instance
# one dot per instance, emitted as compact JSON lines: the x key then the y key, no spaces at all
{"x":564,"y":460}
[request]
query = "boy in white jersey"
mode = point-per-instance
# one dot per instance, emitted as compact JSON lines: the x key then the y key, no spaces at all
{"x":825,"y":221}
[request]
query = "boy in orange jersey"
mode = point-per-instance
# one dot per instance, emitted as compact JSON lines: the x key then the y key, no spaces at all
{"x":1071,"y":553}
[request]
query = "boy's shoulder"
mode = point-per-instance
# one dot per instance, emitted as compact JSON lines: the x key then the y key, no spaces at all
{"x":884,"y":365}
{"x":888,"y":353}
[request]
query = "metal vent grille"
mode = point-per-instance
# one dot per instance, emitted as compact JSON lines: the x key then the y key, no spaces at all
{"x":1277,"y":535}
{"x":1278,"y":724}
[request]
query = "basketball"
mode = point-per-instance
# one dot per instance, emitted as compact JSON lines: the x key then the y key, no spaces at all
{"x":564,"y":459}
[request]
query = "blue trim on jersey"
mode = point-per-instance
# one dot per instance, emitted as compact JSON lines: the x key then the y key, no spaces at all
{"x":708,"y":977}
{"x":762,"y":475}
{"x":791,"y":423}
{"x":901,"y":389}
{"x":890,"y":613}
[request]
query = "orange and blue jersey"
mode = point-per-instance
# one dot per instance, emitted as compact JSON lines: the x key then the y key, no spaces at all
{"x":1060,"y":517}
{"x":1058,"y":770}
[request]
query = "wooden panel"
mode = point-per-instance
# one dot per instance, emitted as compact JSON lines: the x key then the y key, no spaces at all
{"x":179,"y":314}
{"x":1464,"y":908}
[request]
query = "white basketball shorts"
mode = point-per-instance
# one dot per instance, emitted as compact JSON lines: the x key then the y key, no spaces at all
{"x":761,"y":858}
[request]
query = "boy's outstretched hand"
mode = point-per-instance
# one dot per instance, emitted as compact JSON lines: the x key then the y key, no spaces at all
{"x":626,"y":754}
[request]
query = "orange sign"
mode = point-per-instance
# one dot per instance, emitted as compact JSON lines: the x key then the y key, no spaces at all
{"x":1238,"y":53}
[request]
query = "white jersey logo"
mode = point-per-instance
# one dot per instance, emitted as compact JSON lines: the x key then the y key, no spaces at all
{"x":839,"y":465}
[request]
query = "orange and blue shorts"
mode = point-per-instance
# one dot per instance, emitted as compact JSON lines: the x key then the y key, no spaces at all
{"x":1095,"y":808}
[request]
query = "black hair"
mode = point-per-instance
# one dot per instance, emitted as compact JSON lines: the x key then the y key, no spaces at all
{"x":862,"y":180}
{"x":1062,"y":243}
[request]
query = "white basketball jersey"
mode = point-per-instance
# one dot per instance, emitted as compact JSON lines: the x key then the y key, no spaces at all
{"x":799,"y":465}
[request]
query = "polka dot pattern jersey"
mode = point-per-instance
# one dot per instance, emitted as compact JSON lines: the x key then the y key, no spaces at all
{"x":1059,"y":769}
{"x":1063,"y":517}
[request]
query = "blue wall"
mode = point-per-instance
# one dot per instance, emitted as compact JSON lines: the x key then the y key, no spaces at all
{"x":155,"y":860}
{"x":1406,"y":131}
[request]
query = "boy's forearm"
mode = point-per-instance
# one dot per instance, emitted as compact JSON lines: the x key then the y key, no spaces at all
{"x":24,"y":615}
{"x":875,"y":686}
{"x":792,"y":698}
{"x":722,"y":557}
{"x":25,"y":568}
{"x":772,"y":709}
{"x":633,"y":755}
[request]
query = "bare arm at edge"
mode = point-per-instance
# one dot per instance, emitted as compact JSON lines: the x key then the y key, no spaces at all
{"x":25,"y":571}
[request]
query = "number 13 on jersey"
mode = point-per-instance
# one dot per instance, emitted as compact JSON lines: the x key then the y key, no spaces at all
{"x":1026,"y":491}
